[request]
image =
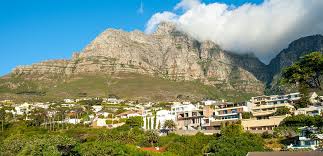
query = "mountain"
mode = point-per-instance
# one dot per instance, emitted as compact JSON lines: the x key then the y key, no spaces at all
{"x":290,"y":55}
{"x":295,"y":50}
{"x":167,"y":54}
{"x":165,"y":65}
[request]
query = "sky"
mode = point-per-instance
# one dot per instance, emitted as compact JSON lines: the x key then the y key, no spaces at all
{"x":37,"y":30}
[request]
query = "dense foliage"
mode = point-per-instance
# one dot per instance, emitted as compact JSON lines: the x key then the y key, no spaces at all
{"x":21,"y":139}
{"x":235,"y":142}
{"x":307,"y":71}
{"x":303,"y":120}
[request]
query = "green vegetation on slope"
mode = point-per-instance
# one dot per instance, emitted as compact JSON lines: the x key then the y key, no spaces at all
{"x":125,"y":85}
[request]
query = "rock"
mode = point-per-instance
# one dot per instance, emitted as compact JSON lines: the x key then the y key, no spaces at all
{"x":168,"y":53}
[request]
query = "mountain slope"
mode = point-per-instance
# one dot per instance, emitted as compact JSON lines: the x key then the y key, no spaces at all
{"x":295,"y":50}
{"x":167,"y":53}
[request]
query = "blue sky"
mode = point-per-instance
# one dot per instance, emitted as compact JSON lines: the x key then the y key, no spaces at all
{"x":38,"y":30}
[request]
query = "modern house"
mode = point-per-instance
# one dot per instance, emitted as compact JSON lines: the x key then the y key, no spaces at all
{"x":262,"y":107}
{"x":308,"y":138}
{"x":190,"y":120}
{"x":161,"y":117}
{"x":225,"y":112}
{"x":262,"y":125}
{"x":311,"y":110}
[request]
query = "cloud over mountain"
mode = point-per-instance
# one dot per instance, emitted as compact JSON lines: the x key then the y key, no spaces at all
{"x":264,"y":29}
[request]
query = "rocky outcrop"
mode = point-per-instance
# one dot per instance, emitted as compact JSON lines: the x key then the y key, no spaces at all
{"x":295,"y":50}
{"x":167,"y":53}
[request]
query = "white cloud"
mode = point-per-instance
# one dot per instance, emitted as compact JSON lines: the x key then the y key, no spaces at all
{"x":159,"y":17}
{"x":187,"y":4}
{"x":264,"y":29}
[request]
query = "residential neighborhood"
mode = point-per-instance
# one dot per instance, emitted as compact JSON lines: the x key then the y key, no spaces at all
{"x":261,"y":114}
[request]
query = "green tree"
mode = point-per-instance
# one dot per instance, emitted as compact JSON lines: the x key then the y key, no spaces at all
{"x":282,"y":111}
{"x":146,"y":122}
{"x":152,"y":137}
{"x":136,"y":121}
{"x":158,"y":125}
{"x":306,"y":72}
{"x":246,"y":115}
{"x":155,"y":119}
{"x":149,"y":123}
{"x":234,"y":142}
{"x":2,"y":117}
{"x":169,"y":124}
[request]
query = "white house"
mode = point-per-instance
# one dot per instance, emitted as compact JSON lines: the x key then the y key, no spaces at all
{"x":22,"y":109}
{"x":97,"y":108}
{"x":178,"y":107}
{"x":209,"y":102}
{"x":161,"y":117}
{"x":311,"y":110}
{"x":69,"y":100}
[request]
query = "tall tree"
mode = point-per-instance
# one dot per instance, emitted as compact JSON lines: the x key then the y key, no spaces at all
{"x":169,"y":124}
{"x":2,"y":117}
{"x":149,"y":124}
{"x":306,"y":72}
{"x":155,"y":119}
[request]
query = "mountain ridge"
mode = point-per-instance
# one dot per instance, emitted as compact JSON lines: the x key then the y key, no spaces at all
{"x":169,"y":54}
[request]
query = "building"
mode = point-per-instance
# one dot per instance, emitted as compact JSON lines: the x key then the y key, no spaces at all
{"x":308,"y":138}
{"x":161,"y":117}
{"x":23,"y":109}
{"x":190,"y":120}
{"x":178,"y":107}
{"x":262,"y":107}
{"x":225,"y":112}
{"x":262,"y":125}
{"x":312,"y":111}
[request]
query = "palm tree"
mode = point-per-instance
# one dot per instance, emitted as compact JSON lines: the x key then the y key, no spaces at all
{"x":169,"y":124}
{"x":152,"y":137}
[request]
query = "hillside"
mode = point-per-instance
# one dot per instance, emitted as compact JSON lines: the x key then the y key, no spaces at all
{"x":164,"y":65}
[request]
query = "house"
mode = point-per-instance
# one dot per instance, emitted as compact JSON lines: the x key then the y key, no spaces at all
{"x":309,"y":138}
{"x":223,"y":113}
{"x":97,"y":108}
{"x":113,"y":100}
{"x":262,"y":125}
{"x":262,"y":107}
{"x":209,"y":102}
{"x":130,"y":113}
{"x":190,"y":120}
{"x":315,"y":99}
{"x":178,"y":107}
{"x":69,"y":100}
{"x":23,"y":109}
{"x":311,"y":110}
{"x":161,"y":117}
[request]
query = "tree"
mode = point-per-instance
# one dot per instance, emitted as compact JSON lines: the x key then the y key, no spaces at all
{"x":146,"y":122}
{"x":302,"y":120}
{"x":306,"y":72}
{"x":246,"y":115}
{"x":169,"y":124}
{"x":282,"y":111}
{"x":2,"y":117}
{"x":152,"y":137}
{"x":155,"y":119}
{"x":158,"y":125}
{"x":149,"y":123}
{"x":233,"y":141}
{"x":135,"y":121}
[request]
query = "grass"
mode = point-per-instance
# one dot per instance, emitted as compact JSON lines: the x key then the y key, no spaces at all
{"x":128,"y":86}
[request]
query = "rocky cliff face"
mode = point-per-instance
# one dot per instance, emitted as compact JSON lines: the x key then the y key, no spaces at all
{"x":167,"y":53}
{"x":294,"y":51}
